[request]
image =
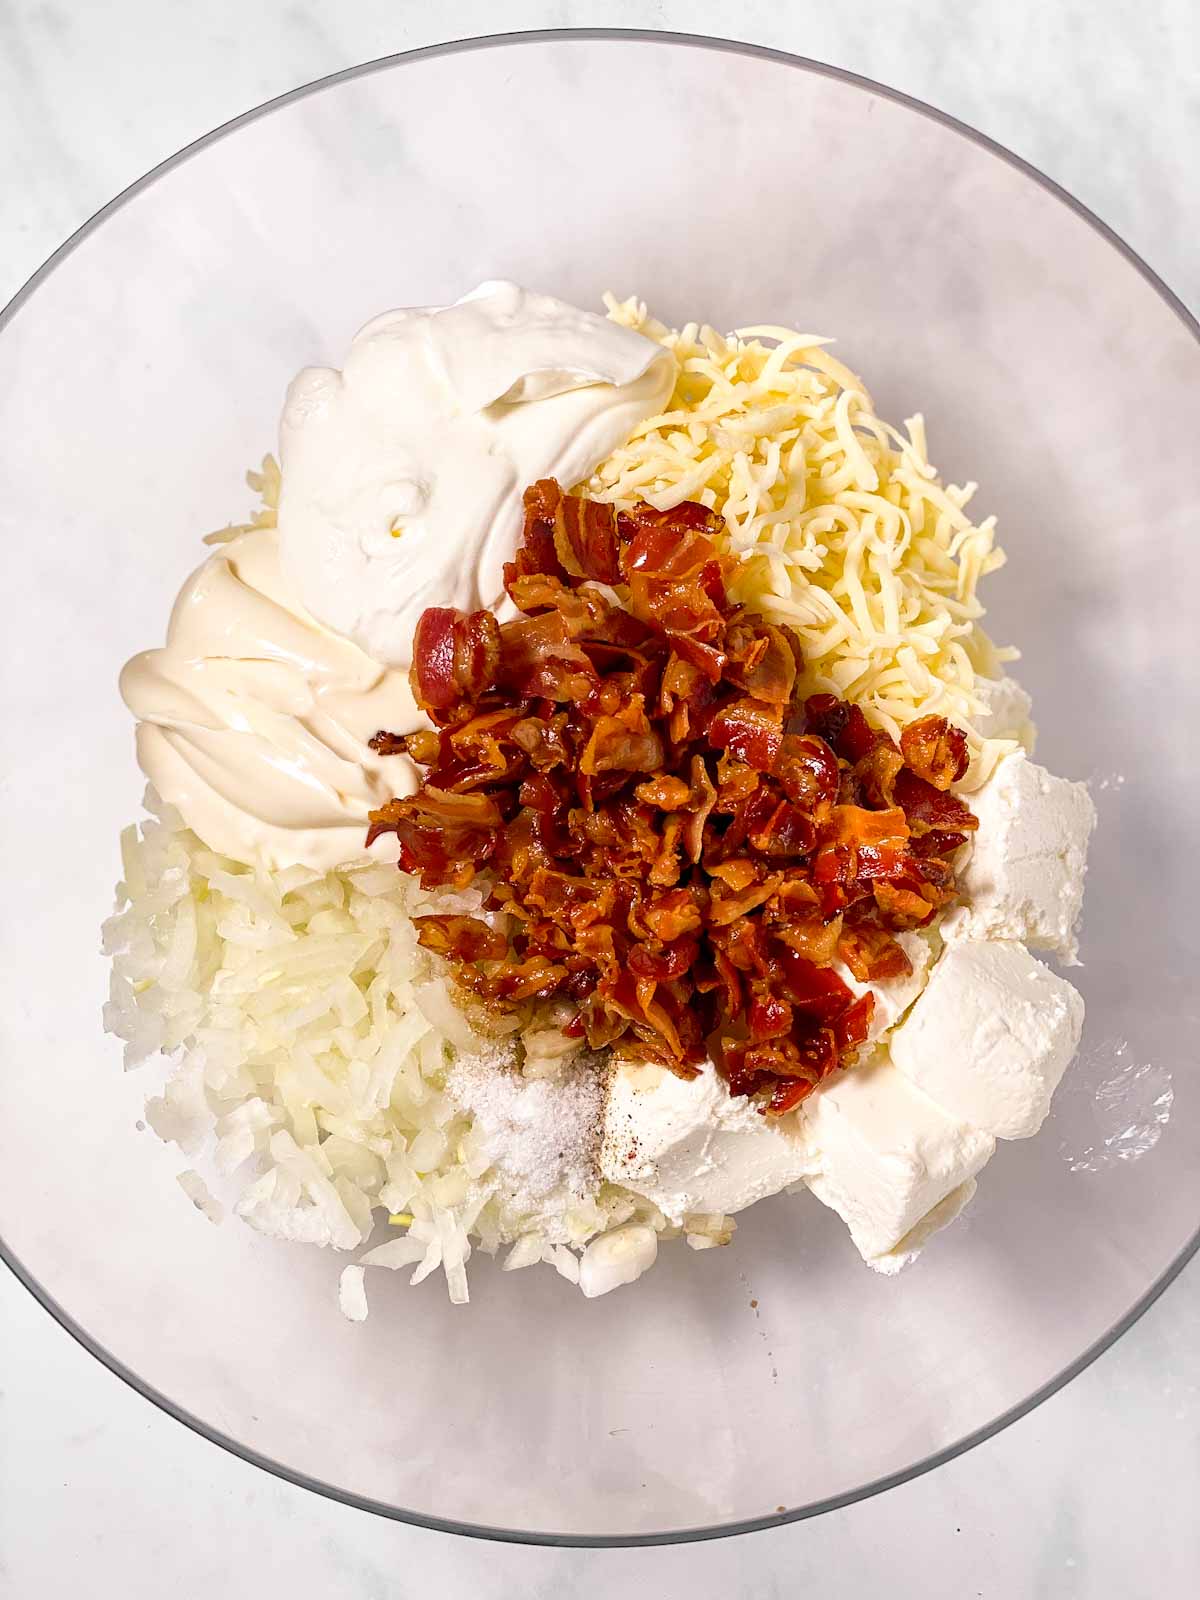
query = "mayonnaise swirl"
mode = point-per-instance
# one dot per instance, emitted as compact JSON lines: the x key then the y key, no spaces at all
{"x":254,"y":719}
{"x":403,"y":473}
{"x":401,"y":489}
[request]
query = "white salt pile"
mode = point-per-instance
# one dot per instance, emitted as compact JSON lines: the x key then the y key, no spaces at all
{"x":542,"y":1134}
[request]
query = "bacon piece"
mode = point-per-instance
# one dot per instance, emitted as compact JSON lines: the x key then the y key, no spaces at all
{"x":927,"y":808}
{"x":536,"y":554}
{"x":743,"y":944}
{"x":539,"y":658}
{"x":736,"y":782}
{"x":667,"y":866}
{"x":875,"y":774}
{"x":536,"y":592}
{"x":685,"y":611}
{"x":842,"y":725}
{"x":938,"y":842}
{"x":559,"y":891}
{"x":730,"y":907}
{"x":676,"y":583}
{"x":665,"y":962}
{"x":871,"y":953}
{"x":737,"y":874}
{"x":680,"y":682}
{"x":787,"y":1094}
{"x":688,"y":514}
{"x":851,"y":1028}
{"x":816,"y":991}
{"x":788,"y":831}
{"x":769,"y":1017}
{"x":800,"y":1063}
{"x":760,"y":661}
{"x":543,"y":740}
{"x":478,"y":752}
{"x":750,"y":730}
{"x":809,"y":936}
{"x":624,"y":743}
{"x":856,"y":826}
{"x":665,"y":793}
{"x":392,"y":744}
{"x":585,"y":539}
{"x":808,"y":771}
{"x":690,"y":716}
{"x":455,"y":658}
{"x":702,"y":797}
{"x":935,"y":751}
{"x":524,"y":980}
{"x":904,"y":908}
{"x":672,"y":914}
{"x":467,"y":939}
{"x":746,"y":817}
{"x":443,"y":837}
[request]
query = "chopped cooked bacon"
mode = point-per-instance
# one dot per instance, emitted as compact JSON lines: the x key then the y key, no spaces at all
{"x":623,"y":743}
{"x":760,"y":661}
{"x":670,"y":915}
{"x":455,"y":659}
{"x":928,"y":808}
{"x":391,"y":744}
{"x":750,"y":730}
{"x":679,"y":851}
{"x":935,"y":751}
{"x":702,"y":797}
{"x":585,"y":539}
{"x":536,"y":555}
{"x":540,"y":659}
{"x":543,"y":739}
{"x":664,"y":792}
{"x":843,"y":726}
{"x":538,"y":591}
{"x":812,"y":938}
{"x":808,"y":772}
{"x":871,"y":953}
{"x":732,"y":906}
{"x":467,"y":939}
{"x":444,"y":837}
{"x":874,"y":775}
{"x":675,"y":582}
{"x":902,"y":907}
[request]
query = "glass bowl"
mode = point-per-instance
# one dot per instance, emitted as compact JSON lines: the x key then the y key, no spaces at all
{"x":144,"y":369}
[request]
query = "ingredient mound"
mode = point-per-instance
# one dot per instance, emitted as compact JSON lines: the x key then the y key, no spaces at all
{"x":676,"y":850}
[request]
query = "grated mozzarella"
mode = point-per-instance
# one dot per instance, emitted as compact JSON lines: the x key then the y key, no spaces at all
{"x":840,"y":524}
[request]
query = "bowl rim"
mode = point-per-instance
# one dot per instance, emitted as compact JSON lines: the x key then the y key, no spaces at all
{"x":1099,"y":1346}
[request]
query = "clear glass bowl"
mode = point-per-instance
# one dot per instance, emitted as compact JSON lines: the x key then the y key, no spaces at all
{"x":144,"y":368}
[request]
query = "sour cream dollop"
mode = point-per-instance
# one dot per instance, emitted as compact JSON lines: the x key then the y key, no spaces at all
{"x":403,"y":473}
{"x":254,"y":720}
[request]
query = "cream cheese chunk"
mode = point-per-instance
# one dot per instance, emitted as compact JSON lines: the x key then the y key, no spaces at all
{"x":690,"y":1146}
{"x":914,"y":1241}
{"x":990,"y":1037}
{"x":885,"y":1157}
{"x":1023,"y":878}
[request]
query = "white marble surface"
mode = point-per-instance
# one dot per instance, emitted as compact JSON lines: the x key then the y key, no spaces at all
{"x":1092,"y":1495}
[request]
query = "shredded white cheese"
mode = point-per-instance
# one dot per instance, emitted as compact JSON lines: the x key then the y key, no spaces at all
{"x":841,"y":526}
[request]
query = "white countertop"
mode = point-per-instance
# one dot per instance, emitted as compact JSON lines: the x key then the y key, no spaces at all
{"x":1095,"y":1493}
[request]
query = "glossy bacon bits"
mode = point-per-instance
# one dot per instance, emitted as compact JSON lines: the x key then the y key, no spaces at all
{"x":677,"y":850}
